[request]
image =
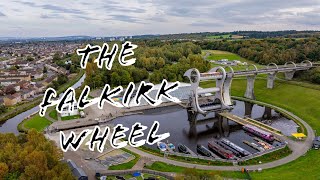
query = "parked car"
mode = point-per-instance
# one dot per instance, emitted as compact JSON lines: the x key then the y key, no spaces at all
{"x":316,"y":143}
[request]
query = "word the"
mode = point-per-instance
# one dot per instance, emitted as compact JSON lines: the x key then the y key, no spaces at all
{"x":117,"y":134}
{"x":69,"y":97}
{"x":106,"y":57}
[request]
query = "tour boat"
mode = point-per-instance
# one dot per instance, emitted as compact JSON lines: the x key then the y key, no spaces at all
{"x":258,"y":132}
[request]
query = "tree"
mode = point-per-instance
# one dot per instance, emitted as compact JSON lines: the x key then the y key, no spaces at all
{"x":4,"y":169}
{"x":45,"y":69}
{"x":3,"y":109}
{"x":115,"y":79}
{"x":56,"y":57}
{"x":29,"y":58}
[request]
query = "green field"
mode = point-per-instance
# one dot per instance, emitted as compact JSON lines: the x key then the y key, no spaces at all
{"x":218,"y":55}
{"x":160,"y":166}
{"x":143,"y":176}
{"x":36,"y":122}
{"x":224,"y":36}
{"x":70,"y":117}
{"x":54,"y":114}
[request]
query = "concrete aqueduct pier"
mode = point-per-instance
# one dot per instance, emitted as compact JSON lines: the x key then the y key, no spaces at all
{"x":223,"y":79}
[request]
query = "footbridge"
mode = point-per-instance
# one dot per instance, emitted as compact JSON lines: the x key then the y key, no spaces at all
{"x":223,"y":78}
{"x":245,"y":121}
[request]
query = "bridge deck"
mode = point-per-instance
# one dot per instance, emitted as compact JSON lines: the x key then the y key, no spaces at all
{"x":245,"y":121}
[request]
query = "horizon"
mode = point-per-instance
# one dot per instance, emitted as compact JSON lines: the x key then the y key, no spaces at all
{"x":222,"y":32}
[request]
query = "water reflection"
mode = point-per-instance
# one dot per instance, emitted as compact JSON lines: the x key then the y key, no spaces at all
{"x":191,"y":129}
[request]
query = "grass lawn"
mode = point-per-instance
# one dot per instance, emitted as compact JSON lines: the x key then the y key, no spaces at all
{"x":306,"y":167}
{"x":54,"y":114}
{"x":160,"y":166}
{"x":303,"y":100}
{"x":37,"y":122}
{"x":217,"y":55}
{"x":128,"y":176}
{"x":127,"y":165}
{"x":70,"y":117}
{"x":224,"y":36}
{"x":281,"y":153}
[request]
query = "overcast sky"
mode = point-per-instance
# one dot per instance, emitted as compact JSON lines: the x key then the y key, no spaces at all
{"x":120,"y":17}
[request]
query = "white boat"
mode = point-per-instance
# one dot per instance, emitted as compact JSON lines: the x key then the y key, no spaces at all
{"x":171,"y":147}
{"x":162,"y":146}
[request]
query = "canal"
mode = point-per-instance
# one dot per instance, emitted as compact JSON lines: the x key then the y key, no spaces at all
{"x":10,"y":125}
{"x":190,"y":132}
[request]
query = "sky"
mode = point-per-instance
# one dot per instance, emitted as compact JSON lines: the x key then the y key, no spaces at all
{"x":28,"y":18}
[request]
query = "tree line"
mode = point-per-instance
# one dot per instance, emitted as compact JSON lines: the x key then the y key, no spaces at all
{"x":274,"y":50}
{"x":156,"y":60}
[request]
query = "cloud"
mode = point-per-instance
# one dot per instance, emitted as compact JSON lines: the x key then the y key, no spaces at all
{"x":51,"y":16}
{"x":124,"y":18}
{"x":54,"y":8}
{"x":206,"y":24}
{"x":88,"y":18}
{"x":60,"y":9}
{"x":112,"y":17}
{"x":119,"y":8}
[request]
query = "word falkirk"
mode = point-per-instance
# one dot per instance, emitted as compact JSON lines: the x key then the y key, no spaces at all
{"x":115,"y":139}
{"x":106,"y":57}
{"x":68,"y":99}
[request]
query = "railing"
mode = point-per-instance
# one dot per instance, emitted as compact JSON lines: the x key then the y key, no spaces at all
{"x":125,"y":172}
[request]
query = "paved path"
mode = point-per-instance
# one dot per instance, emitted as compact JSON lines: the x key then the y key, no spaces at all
{"x":48,"y":117}
{"x":299,"y":148}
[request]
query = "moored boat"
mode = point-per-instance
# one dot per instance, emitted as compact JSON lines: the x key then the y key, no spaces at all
{"x":162,"y":146}
{"x":183,"y":149}
{"x":254,"y":146}
{"x":242,"y":151}
{"x":171,"y":147}
{"x":203,"y":151}
{"x":213,"y":146}
{"x":258,"y":132}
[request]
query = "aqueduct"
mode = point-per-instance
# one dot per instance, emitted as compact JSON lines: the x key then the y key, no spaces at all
{"x":222,"y":98}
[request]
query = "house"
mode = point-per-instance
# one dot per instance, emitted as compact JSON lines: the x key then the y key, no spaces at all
{"x":39,"y":88}
{"x":11,"y":100}
{"x":24,"y":84}
{"x":36,"y":74}
{"x":27,"y":93}
{"x":16,"y":76}
{"x":47,"y":81}
{"x":12,"y":87}
{"x":65,"y":110}
{"x":8,"y":82}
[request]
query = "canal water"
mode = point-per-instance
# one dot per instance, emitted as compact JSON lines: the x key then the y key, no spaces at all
{"x":10,"y":126}
{"x":174,"y":119}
